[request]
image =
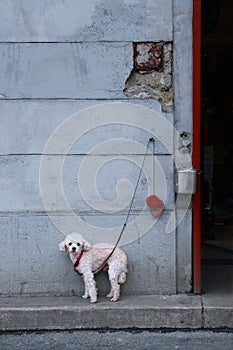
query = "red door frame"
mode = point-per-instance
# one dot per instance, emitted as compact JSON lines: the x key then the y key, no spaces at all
{"x":196,"y":158}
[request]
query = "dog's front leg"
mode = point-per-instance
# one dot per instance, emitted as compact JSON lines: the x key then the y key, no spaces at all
{"x":90,"y":286}
{"x":86,"y":292}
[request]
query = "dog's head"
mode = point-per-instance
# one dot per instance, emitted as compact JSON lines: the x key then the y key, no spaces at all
{"x":74,"y":243}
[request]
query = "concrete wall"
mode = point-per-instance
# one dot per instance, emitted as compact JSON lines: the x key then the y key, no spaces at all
{"x":57,"y":58}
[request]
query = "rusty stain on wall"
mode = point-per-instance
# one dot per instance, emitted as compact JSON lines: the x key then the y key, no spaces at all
{"x":151,"y":76}
{"x":148,"y":56}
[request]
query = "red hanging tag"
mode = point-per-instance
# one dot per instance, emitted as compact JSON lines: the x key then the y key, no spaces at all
{"x":155,"y":204}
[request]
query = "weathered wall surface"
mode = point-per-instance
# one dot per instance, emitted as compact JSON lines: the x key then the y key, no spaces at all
{"x":182,"y":77}
{"x":57,"y":58}
{"x":89,"y":21}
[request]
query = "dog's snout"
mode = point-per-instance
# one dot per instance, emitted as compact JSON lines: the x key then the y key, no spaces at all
{"x":73,"y":249}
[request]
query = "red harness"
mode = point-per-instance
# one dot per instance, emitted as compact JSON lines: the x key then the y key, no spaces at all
{"x":78,"y":260}
{"x":103,"y":268}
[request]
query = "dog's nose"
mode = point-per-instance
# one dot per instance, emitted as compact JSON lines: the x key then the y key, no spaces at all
{"x":73,"y":249}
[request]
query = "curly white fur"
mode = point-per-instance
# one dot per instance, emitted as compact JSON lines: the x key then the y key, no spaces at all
{"x":92,"y":258}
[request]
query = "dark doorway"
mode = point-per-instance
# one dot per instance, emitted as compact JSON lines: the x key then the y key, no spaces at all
{"x":217,"y":145}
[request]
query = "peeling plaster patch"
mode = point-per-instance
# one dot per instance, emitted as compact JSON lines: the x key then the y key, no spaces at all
{"x":156,"y":82}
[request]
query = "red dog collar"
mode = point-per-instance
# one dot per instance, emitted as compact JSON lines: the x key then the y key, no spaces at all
{"x":78,"y":260}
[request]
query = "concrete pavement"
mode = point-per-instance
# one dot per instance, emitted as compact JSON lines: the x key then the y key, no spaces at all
{"x":192,"y":312}
{"x":117,"y":340}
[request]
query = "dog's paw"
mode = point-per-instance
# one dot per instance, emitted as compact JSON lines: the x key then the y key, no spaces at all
{"x":109,"y":295}
{"x":93,"y":300}
{"x":85,"y":296}
{"x":114,"y":299}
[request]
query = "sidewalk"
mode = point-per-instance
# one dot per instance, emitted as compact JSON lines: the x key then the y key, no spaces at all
{"x":131,"y":312}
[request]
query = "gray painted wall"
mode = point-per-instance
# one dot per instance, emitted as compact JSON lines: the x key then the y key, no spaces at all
{"x":56,"y":58}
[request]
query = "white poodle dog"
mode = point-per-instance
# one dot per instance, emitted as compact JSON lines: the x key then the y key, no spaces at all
{"x":87,"y":259}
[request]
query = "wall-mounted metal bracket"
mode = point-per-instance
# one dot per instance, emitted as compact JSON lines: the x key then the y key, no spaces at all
{"x":186,"y":181}
{"x":185,"y":142}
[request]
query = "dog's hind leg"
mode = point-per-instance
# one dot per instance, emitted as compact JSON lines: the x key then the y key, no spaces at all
{"x":115,"y":287}
{"x":110,"y":294}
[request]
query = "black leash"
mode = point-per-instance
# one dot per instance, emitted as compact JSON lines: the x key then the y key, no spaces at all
{"x":130,"y":207}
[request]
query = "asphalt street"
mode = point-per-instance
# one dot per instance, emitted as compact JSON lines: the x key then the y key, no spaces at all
{"x":144,"y":340}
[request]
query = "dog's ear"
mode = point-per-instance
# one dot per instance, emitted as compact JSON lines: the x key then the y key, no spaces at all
{"x":86,"y":245}
{"x":62,"y":247}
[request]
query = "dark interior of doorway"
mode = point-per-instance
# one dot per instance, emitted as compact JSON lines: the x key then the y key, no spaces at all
{"x":217,"y":145}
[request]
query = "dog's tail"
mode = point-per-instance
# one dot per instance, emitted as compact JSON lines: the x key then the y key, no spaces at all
{"x":122,"y":278}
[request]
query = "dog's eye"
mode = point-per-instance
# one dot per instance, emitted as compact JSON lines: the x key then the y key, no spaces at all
{"x":78,"y":244}
{"x":70,"y":243}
